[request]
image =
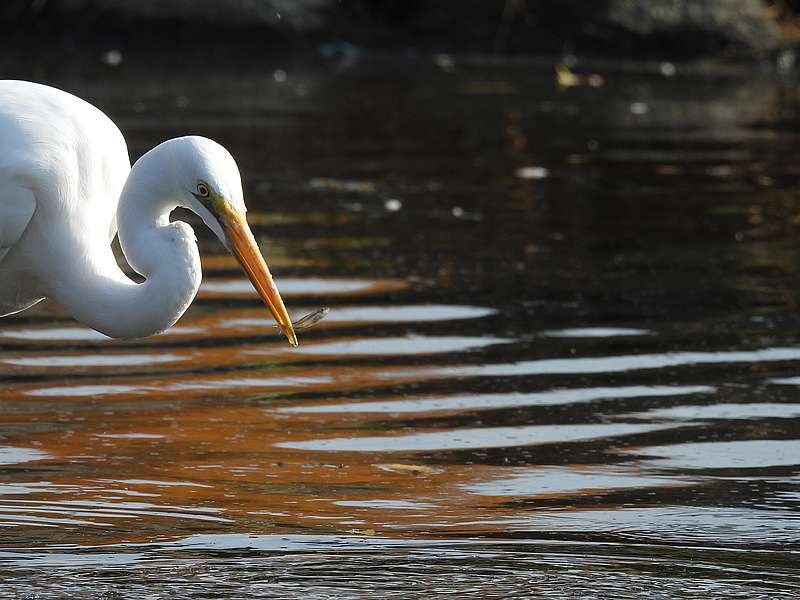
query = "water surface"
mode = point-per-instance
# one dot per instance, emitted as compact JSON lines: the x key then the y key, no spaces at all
{"x":562,"y":354}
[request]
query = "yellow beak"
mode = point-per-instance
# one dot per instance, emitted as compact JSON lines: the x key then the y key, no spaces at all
{"x":245,"y":249}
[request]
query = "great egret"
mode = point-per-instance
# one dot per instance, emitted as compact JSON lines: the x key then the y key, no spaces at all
{"x":67,"y":187}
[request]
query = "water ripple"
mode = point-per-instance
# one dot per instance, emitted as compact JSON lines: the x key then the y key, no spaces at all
{"x":192,"y":384}
{"x":97,"y":513}
{"x":415,"y":313}
{"x":677,"y":524}
{"x":764,"y":410}
{"x":614,"y":364}
{"x":595,"y":332}
{"x":747,"y":454}
{"x":482,"y":437}
{"x":306,"y":286}
{"x":94,"y":360}
{"x":10,"y":455}
{"x":492,"y":401}
{"x":76,"y":334}
{"x":575,"y":479}
{"x":397,"y":346}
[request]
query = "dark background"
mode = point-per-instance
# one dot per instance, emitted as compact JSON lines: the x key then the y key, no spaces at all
{"x":739,"y":30}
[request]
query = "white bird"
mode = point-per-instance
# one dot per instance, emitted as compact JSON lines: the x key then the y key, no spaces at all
{"x":67,"y":188}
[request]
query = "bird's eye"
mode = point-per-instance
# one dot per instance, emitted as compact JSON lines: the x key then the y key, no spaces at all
{"x":202,"y":190}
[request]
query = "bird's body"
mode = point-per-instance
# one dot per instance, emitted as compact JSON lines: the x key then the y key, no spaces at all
{"x":66,"y":187}
{"x":64,"y":161}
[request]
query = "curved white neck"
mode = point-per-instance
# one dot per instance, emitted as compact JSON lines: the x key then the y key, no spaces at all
{"x":97,"y":292}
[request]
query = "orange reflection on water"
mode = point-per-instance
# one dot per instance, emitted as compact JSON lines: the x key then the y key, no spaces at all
{"x":196,"y":430}
{"x":223,"y":452}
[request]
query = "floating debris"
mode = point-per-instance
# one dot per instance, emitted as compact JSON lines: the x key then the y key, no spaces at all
{"x":667,"y":69}
{"x":393,"y":205}
{"x":113,"y":58}
{"x":444,"y":61}
{"x":532,"y":173}
{"x":566,"y":78}
{"x":341,"y":185}
{"x":405,"y":468}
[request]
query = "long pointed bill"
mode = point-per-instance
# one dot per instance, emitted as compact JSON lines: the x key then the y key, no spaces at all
{"x":245,"y":249}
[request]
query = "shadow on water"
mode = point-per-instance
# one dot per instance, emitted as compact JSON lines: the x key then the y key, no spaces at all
{"x":562,"y":353}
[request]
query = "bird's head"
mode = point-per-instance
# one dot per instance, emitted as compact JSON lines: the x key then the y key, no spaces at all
{"x":209,"y":184}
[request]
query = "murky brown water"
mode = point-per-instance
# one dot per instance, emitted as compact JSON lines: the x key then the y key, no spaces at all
{"x":563,"y":356}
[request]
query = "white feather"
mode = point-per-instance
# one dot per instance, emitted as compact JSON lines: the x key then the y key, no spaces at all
{"x":66,"y":183}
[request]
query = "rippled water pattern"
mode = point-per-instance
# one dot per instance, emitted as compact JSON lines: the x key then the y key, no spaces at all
{"x":562,"y":355}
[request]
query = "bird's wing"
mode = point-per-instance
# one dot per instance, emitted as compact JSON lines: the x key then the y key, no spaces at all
{"x":17,"y":205}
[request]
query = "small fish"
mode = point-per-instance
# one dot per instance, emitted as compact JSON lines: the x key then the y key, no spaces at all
{"x":310,"y":319}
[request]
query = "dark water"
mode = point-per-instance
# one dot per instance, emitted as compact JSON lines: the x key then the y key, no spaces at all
{"x":563,"y":356}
